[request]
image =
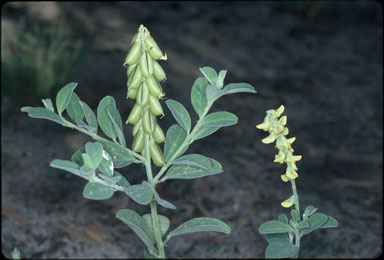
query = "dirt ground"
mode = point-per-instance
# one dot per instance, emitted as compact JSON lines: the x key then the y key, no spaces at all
{"x":324,"y":66}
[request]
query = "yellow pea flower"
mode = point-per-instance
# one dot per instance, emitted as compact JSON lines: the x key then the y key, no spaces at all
{"x":283,"y":120}
{"x":280,"y":110}
{"x":288,"y":202}
{"x":269,"y":139}
{"x":284,"y":178}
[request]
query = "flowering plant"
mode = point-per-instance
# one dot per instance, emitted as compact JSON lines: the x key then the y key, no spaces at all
{"x":96,"y":162}
{"x":284,"y":236}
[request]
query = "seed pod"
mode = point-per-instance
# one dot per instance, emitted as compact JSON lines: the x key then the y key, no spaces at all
{"x":138,"y":95}
{"x":153,"y":86}
{"x":144,"y":95}
{"x":134,"y":38}
{"x":133,"y":54}
{"x":131,"y":93}
{"x":156,"y":154}
{"x":158,"y":71}
{"x":146,"y":64}
{"x":155,"y":105}
{"x":135,"y":115}
{"x":149,"y":122}
{"x":138,"y":141}
{"x":152,"y":47}
{"x":136,"y":128}
{"x":136,"y":79}
{"x":158,"y":134}
{"x":130,"y":69}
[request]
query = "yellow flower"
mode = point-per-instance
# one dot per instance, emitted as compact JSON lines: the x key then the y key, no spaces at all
{"x":283,"y":120}
{"x":284,"y":178}
{"x":291,"y":173}
{"x":286,"y":131}
{"x":280,"y":157}
{"x":269,"y":139}
{"x":280,"y":110}
{"x":291,"y":140}
{"x":288,"y":202}
{"x":278,"y":129}
{"x":264,"y":126}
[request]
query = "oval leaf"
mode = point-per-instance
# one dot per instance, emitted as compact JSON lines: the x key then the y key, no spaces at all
{"x":201,"y":224}
{"x":63,"y":97}
{"x":102,"y":117}
{"x":219,"y":119}
{"x":74,"y":108}
{"x":174,"y":138}
{"x":76,"y":157}
{"x":192,"y":172}
{"x":196,"y":160}
{"x":274,"y":226}
{"x":180,"y":114}
{"x":48,"y":104}
{"x":331,"y":223}
{"x":123,"y":181}
{"x":163,"y":223}
{"x":121,"y":156}
{"x":140,"y":193}
{"x":237,"y":88}
{"x":90,"y":117}
{"x":210,"y":74}
{"x":41,"y":112}
{"x":97,"y":191}
{"x":276,"y":237}
{"x":115,"y":118}
{"x":280,"y":249}
{"x":95,"y":152}
{"x":106,"y":164}
{"x":315,"y":221}
{"x":198,"y":95}
{"x":68,"y":166}
{"x":202,"y":132}
{"x":137,"y":224}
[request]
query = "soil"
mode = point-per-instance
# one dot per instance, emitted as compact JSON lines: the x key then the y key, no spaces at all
{"x":323,"y":63}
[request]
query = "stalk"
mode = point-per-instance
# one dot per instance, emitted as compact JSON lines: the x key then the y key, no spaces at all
{"x":155,"y":219}
{"x":297,"y":207}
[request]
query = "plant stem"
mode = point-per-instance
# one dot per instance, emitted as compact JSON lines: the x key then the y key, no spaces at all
{"x":155,"y":219}
{"x":97,"y":138}
{"x":297,"y":207}
{"x":186,"y":142}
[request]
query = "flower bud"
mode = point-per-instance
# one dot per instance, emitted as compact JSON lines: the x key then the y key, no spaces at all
{"x":288,"y":202}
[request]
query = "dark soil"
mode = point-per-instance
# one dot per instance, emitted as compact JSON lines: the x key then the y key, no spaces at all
{"x":323,"y":63}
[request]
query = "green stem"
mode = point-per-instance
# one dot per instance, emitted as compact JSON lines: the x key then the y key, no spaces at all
{"x":155,"y":219}
{"x":98,"y":138}
{"x":186,"y":142}
{"x":297,"y":207}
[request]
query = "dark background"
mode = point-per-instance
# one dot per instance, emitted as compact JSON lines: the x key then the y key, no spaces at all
{"x":321,"y":59}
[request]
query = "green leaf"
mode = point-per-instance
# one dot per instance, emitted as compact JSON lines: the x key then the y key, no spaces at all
{"x":192,"y":172}
{"x":180,"y":114}
{"x":294,"y":215}
{"x":237,"y":88}
{"x":148,"y":255}
{"x":137,"y":224}
{"x":95,"y":152}
{"x":276,"y":237}
{"x":90,"y":117}
{"x":16,"y":254}
{"x":196,"y":160}
{"x":76,"y":157}
{"x":210,"y":74}
{"x":315,"y":221}
{"x":103,"y":118}
{"x":303,"y":224}
{"x":213,"y":93}
{"x":283,"y":218}
{"x":68,"y":166}
{"x":174,"y":138}
{"x":219,"y":119}
{"x":106,"y":165}
{"x":200,"y":224}
{"x":163,"y":223}
{"x":121,"y":156}
{"x":280,"y":249}
{"x":123,"y":181}
{"x":87,"y":161}
{"x":140,"y":193}
{"x":63,"y":97}
{"x":74,"y":108}
{"x":220,"y":78}
{"x":274,"y":226}
{"x":115,"y":118}
{"x":204,"y":132}
{"x":198,"y":95}
{"x":331,"y":223}
{"x":41,"y":112}
{"x":48,"y":104}
{"x":310,"y":210}
{"x":97,"y":191}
